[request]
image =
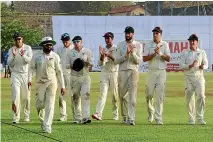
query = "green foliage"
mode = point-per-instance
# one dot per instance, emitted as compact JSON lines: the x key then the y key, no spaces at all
{"x":11,"y":24}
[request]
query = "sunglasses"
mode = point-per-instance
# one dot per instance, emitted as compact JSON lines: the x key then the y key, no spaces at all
{"x":18,"y":39}
{"x":76,"y":41}
{"x":48,"y":45}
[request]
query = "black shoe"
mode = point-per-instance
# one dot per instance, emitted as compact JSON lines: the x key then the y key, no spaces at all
{"x":86,"y":120}
{"x":132,"y":123}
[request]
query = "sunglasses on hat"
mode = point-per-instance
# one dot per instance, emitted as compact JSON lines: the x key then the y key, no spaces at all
{"x":76,"y":41}
{"x":48,"y":44}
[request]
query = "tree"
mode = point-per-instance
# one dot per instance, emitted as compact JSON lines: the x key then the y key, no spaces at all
{"x":10,"y":24}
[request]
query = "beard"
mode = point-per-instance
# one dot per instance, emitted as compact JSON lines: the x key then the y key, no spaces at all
{"x":47,"y":50}
{"x":129,"y":38}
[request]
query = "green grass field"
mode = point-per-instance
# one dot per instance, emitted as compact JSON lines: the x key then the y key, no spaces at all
{"x":175,"y":128}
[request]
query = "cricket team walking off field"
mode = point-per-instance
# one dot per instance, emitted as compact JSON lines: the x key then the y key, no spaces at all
{"x":67,"y":70}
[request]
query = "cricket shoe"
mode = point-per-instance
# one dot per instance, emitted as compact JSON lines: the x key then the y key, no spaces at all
{"x":26,"y":119}
{"x":150,"y":118}
{"x":86,"y":120}
{"x":63,"y":118}
{"x":77,"y":121}
{"x":45,"y":129}
{"x":202,"y":122}
{"x":116,"y":117}
{"x":191,"y":122}
{"x":95,"y":116}
{"x":131,"y":122}
{"x":159,"y":122}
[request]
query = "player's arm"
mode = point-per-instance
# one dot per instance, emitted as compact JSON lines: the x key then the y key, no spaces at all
{"x":68,"y":61}
{"x":31,"y":69}
{"x":137,"y":56}
{"x":204,"y":64}
{"x":119,"y":58}
{"x":88,"y":62}
{"x":11,"y":58}
{"x":166,"y":55}
{"x":59,"y":72}
{"x":183,"y":64}
{"x":27,"y":57}
{"x":146,"y":55}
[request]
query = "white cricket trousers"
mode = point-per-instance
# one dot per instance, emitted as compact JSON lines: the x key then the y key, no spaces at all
{"x":45,"y":101}
{"x":19,"y":85}
{"x":127,"y":87}
{"x":80,"y":96}
{"x":192,"y":86}
{"x":62,"y":99}
{"x":108,"y":80}
{"x":155,"y":81}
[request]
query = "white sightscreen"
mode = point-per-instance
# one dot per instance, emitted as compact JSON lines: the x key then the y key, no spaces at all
{"x":92,"y":28}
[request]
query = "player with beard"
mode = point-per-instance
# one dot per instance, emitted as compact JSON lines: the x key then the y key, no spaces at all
{"x":129,"y":56}
{"x":47,"y":65}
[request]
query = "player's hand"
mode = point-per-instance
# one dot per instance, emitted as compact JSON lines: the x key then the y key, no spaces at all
{"x":193,"y":64}
{"x":101,"y":50}
{"x":157,"y":50}
{"x":14,"y":51}
{"x":63,"y":91}
{"x":201,"y":66}
{"x":22,"y":52}
{"x":130,"y":47}
{"x":29,"y":85}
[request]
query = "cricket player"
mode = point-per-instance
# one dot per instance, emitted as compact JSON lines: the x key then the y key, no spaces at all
{"x":79,"y":60}
{"x":19,"y":58}
{"x":47,"y":66}
{"x":129,"y":56}
{"x":62,"y":52}
{"x":109,"y":77}
{"x":193,"y":62}
{"x":157,"y":54}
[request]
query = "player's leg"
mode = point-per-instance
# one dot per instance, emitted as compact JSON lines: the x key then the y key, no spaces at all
{"x":160,"y":95}
{"x":132,"y":86}
{"x":114,"y":92}
{"x":75,"y":98}
{"x":104,"y":84}
{"x":200,"y":91}
{"x":150,"y":87}
{"x":25,"y":97}
{"x":62,"y":102}
{"x":123,"y":94}
{"x":15,"y":85}
{"x":190,"y":99}
{"x":85,"y":98}
{"x":39,"y":99}
{"x":49,"y":106}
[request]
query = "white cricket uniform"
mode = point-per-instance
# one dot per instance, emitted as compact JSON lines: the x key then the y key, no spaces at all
{"x":80,"y":84}
{"x":156,"y":78}
{"x":108,"y":78}
{"x":194,"y":81}
{"x":48,"y":71}
{"x":128,"y":77}
{"x":62,"y":52}
{"x":19,"y":74}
